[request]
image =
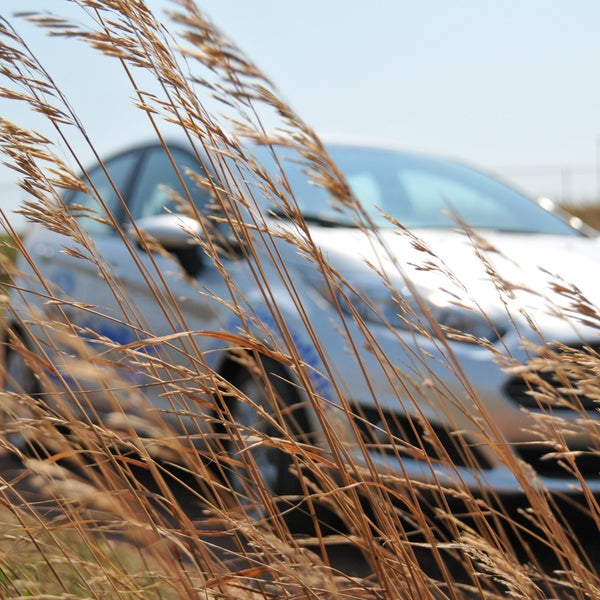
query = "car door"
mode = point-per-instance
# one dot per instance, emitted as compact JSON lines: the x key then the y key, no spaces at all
{"x":166,"y":287}
{"x":83,"y":270}
{"x":65,"y":288}
{"x":165,"y":292}
{"x":72,"y":268}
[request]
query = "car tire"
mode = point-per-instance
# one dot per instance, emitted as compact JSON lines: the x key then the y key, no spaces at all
{"x":266,"y":388}
{"x":18,"y":380}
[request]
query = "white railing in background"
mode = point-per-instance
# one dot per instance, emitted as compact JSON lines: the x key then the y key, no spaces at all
{"x":572,"y":184}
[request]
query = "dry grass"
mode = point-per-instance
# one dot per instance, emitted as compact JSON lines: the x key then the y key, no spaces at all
{"x":137,"y":510}
{"x":589,"y":213}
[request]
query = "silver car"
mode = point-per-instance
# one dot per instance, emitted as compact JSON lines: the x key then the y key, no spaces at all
{"x":415,"y":334}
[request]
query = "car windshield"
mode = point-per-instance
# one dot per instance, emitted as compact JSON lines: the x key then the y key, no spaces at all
{"x":417,"y":191}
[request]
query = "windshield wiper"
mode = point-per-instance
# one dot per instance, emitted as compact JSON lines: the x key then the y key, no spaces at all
{"x":322,"y":220}
{"x":509,"y":230}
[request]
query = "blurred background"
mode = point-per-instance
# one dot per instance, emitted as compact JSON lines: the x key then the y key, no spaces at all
{"x":512,"y":87}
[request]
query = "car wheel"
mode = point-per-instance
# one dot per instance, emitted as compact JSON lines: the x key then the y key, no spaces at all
{"x":267,"y":406}
{"x":19,"y":376}
{"x":18,"y":381}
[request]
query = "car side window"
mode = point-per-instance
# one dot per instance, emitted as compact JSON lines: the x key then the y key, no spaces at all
{"x":88,"y":209}
{"x":158,"y":181}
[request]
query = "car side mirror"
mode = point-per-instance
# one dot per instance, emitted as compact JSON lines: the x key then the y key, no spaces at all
{"x":172,"y":231}
{"x":176,"y":234}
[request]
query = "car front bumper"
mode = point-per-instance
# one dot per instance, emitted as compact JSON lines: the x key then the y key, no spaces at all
{"x":449,"y":415}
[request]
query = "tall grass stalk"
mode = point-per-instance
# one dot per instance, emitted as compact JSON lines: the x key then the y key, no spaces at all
{"x":133,"y":508}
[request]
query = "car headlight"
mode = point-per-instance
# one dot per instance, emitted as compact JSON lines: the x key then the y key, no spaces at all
{"x":460,"y":322}
{"x":427,"y":314}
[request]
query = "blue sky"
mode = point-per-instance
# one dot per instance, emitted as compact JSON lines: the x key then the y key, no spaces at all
{"x":509,"y":85}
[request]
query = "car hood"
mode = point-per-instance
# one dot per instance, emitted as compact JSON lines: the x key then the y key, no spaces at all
{"x":552,"y":275}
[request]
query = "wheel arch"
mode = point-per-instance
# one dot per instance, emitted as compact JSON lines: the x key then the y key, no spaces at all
{"x":230,"y":366}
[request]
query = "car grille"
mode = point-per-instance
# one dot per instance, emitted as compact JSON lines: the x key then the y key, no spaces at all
{"x":564,"y":379}
{"x":561,"y":380}
{"x":548,"y":464}
{"x":396,"y":434}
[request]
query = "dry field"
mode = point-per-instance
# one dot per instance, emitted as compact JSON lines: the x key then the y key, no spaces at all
{"x":589,"y":213}
{"x":125,"y":508}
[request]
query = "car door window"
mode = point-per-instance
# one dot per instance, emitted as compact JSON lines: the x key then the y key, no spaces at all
{"x":158,"y":182}
{"x":87,"y":207}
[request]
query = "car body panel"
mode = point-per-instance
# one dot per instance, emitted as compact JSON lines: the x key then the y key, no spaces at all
{"x":123,"y":295}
